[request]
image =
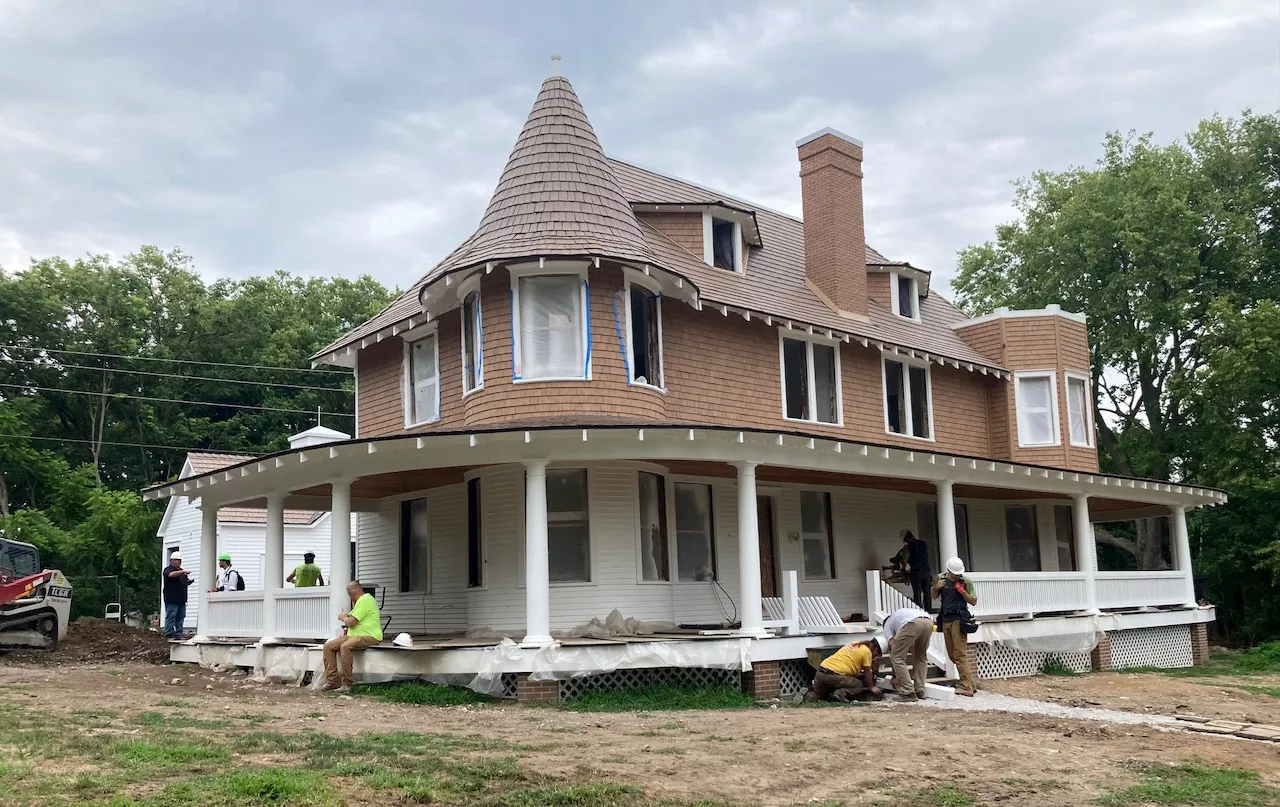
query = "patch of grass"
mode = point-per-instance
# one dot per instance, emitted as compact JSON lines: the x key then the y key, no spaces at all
{"x":716,"y":738}
{"x":315,"y":714}
{"x":662,"y":698}
{"x":257,"y":719}
{"x":564,"y":730}
{"x":1261,"y":660}
{"x":1195,"y":785}
{"x":1054,"y":666}
{"x":944,"y":796}
{"x":420,"y":694}
{"x":175,"y":721}
{"x":1272,"y":692}
{"x":671,"y":751}
{"x":603,"y":794}
{"x":794,"y":746}
{"x":175,"y":703}
{"x":672,"y":726}
{"x":164,"y":754}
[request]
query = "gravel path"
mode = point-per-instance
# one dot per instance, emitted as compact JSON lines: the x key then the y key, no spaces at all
{"x":991,"y":702}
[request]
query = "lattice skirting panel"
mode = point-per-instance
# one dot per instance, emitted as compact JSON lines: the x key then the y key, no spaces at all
{"x":794,"y":675}
{"x":693,"y":677}
{"x":509,"y":685}
{"x":999,"y":661}
{"x":1165,"y":646}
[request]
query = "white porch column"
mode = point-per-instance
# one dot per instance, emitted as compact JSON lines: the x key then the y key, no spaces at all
{"x":208,"y":565}
{"x":537,"y":574}
{"x":340,"y":571}
{"x":948,"y":544}
{"x":273,"y":568}
{"x":1182,"y":550}
{"x":1086,"y":553}
{"x":750,"y":606}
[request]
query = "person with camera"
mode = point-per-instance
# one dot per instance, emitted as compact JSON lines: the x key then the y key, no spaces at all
{"x":957,"y":595}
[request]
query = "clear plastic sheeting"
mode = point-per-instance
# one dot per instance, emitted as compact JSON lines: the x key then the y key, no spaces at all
{"x":1079,"y":635}
{"x":559,"y":663}
{"x":218,"y":657}
{"x":615,"y":625}
{"x":280,"y":664}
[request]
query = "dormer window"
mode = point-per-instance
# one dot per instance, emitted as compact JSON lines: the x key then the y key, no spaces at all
{"x":722,"y":242}
{"x":906,"y":296}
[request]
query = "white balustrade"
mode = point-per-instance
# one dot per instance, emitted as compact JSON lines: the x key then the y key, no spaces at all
{"x":304,"y":613}
{"x":232,"y":614}
{"x":1139,"y":589}
{"x":1015,"y":593}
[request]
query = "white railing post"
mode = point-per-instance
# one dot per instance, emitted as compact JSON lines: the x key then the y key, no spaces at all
{"x":1086,"y":554}
{"x":948,"y":544}
{"x":791,"y":602}
{"x":873,"y":594}
{"x":750,"y":608}
{"x":1182,"y":551}
{"x":340,"y":571}
{"x":208,"y":576}
{"x":537,"y":573}
{"x":273,"y":568}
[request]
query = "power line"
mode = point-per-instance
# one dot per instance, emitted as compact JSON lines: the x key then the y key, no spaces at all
{"x":178,"y":401}
{"x":174,"y":361}
{"x":60,"y":365}
{"x":125,"y":445}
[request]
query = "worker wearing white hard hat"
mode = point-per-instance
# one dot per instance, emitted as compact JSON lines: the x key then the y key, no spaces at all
{"x":956,"y":621}
{"x":849,"y":673}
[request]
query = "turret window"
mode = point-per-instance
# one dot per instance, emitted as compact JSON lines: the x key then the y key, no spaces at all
{"x":550,"y":327}
{"x":644,"y":329}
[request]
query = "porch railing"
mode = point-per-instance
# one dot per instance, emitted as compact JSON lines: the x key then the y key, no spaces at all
{"x":234,"y":614}
{"x":1138,"y":589}
{"x":1018,"y":593}
{"x":303,"y":613}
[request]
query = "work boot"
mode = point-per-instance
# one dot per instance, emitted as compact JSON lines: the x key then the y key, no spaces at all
{"x":345,"y":689}
{"x":905,"y":697}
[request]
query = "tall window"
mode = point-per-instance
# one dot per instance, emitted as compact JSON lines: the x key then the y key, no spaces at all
{"x":906,"y":297}
{"x":695,"y":533}
{"x":722,"y":243}
{"x":1037,"y":402}
{"x":1079,"y":411}
{"x":906,"y":399}
{"x":653,"y":528}
{"x":415,"y":560}
{"x":472,"y":344}
{"x":1064,"y":528}
{"x":475,"y":550}
{"x":810,"y":381}
{"x":1023,"y":538}
{"x":927,"y":531}
{"x":818,"y":542}
{"x":551,"y":327}
{"x":568,"y":526}
{"x":645,"y":344}
{"x":423,"y":377}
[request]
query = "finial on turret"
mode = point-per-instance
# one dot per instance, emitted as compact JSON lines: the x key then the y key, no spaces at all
{"x":555,"y":64}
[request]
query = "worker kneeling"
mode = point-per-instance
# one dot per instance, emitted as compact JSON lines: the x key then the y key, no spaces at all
{"x":362,"y":628}
{"x":849,"y":674}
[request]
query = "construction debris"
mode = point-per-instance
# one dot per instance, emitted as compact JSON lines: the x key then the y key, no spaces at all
{"x":91,"y":640}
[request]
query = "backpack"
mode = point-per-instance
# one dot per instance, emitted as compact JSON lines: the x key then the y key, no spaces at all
{"x":239,"y":579}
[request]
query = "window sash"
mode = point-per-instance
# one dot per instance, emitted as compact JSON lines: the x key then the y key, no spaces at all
{"x":415,"y":549}
{"x":906,"y":296}
{"x":1022,"y":536}
{"x":552,"y":327}
{"x":810,"y":381}
{"x":1078,"y":425}
{"x":695,"y":531}
{"x":1035,"y":418}
{"x":645,"y":344}
{"x":568,"y":526}
{"x":424,"y":381}
{"x":475,"y":546}
{"x":908,"y":410}
{"x":652,"y":500}
{"x":817,"y":537}
{"x":1064,"y":527}
{"x":722,"y":251}
{"x":472,"y":344}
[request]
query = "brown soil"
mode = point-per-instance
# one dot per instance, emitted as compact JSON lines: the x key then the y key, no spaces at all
{"x":767,"y":756}
{"x":94,"y":641}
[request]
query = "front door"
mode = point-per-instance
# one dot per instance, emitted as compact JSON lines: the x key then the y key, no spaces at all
{"x":768,"y":549}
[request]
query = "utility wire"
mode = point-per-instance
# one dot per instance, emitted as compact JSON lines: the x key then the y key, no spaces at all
{"x":125,"y":445}
{"x":175,"y":361}
{"x":60,"y":365}
{"x":178,"y":401}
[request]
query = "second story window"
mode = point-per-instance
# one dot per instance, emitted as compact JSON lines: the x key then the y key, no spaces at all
{"x":644,"y":345}
{"x":1036,"y":396}
{"x":550,"y":327}
{"x":421,"y":382}
{"x":906,"y":296}
{"x":1079,"y":410}
{"x":810,"y":380}
{"x":722,"y":242}
{"x":908,"y":408}
{"x":472,"y":344}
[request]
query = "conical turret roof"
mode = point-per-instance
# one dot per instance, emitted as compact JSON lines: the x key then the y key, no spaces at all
{"x":558,"y":195}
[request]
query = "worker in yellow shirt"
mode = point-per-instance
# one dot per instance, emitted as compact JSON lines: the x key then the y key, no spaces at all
{"x":363,"y":626}
{"x":849,"y":673}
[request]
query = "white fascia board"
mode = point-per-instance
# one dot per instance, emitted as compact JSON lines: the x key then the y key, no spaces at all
{"x":1005,"y":313}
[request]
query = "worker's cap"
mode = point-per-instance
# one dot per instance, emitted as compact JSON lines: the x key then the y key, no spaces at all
{"x":225,"y":556}
{"x":308,"y":556}
{"x":883,"y":644}
{"x":955,"y":566}
{"x":176,"y":556}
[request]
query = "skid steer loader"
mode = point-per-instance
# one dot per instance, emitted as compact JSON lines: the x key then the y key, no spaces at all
{"x":35,"y":603}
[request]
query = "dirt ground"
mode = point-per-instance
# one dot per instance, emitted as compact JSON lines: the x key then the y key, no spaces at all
{"x":782,"y":755}
{"x":93,"y":641}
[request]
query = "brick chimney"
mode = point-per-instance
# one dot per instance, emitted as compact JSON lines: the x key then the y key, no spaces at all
{"x":835,"y":255}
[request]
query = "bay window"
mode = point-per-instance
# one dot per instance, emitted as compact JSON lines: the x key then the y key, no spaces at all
{"x":1036,"y":395}
{"x":908,"y":404}
{"x":810,"y":380}
{"x":550,"y":327}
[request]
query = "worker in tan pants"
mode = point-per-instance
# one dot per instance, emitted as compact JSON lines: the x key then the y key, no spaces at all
{"x":363,"y":626}
{"x":957,"y":593}
{"x":909,"y":631}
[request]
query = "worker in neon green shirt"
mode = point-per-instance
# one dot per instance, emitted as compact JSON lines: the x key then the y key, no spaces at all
{"x":363,"y":628}
{"x":306,"y":575}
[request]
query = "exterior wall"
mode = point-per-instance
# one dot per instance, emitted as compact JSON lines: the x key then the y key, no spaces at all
{"x":683,"y":228}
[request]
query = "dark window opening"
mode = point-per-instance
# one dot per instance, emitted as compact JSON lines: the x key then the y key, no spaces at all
{"x":475,"y":558}
{"x":646,"y":342}
{"x":906,"y":297}
{"x":472,"y":362}
{"x":1023,"y":538}
{"x":654,"y":562}
{"x":824,"y":382}
{"x":919,"y":401}
{"x":795,"y":371}
{"x":1064,"y":526}
{"x":895,"y":397}
{"x":722,"y":244}
{"x":414,"y":573}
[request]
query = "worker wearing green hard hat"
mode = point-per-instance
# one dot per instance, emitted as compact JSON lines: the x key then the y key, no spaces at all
{"x":228,"y":578}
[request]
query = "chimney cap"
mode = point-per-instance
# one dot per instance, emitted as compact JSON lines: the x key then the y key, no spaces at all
{"x":829,"y":131}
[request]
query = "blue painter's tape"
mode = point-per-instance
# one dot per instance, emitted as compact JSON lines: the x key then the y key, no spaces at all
{"x":586,"y":296}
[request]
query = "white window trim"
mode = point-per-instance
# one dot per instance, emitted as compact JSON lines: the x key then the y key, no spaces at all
{"x":668,"y":504}
{"x":406,"y":373}
{"x":649,"y":285}
{"x":470,"y":287}
{"x":708,"y":248}
{"x":1053,"y":407}
{"x":810,"y":340}
{"x":716,"y":557}
{"x":592,"y":515}
{"x":1069,"y":376}
{"x":584,"y":297}
{"x":915,"y":295}
{"x":906,"y":388}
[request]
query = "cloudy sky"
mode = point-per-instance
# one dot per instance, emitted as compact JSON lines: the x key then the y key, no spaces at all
{"x":339,"y":138}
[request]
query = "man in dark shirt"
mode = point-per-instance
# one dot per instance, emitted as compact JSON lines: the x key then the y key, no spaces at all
{"x":920,"y":574}
{"x":176,"y":580}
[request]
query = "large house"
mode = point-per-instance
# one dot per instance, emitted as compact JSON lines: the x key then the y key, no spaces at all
{"x":629,"y":392}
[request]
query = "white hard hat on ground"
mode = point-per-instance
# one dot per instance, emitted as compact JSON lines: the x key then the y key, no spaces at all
{"x":403,"y":640}
{"x":955,"y":566}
